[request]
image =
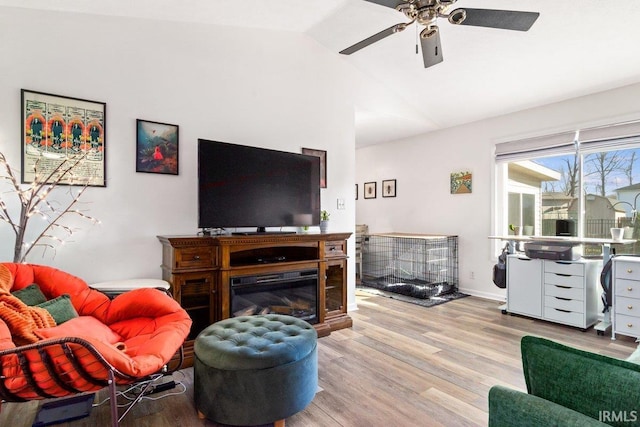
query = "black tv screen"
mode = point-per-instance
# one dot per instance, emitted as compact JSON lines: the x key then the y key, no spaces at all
{"x":242,"y":186}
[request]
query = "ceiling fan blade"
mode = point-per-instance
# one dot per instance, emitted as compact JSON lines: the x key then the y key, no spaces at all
{"x":504,"y":19}
{"x":389,"y":3}
{"x":431,"y":49}
{"x":374,"y":38}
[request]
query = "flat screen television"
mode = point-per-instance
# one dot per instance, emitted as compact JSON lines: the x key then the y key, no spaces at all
{"x":241,"y":186}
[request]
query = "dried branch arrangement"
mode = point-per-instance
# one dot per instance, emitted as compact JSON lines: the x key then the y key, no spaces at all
{"x":33,"y":202}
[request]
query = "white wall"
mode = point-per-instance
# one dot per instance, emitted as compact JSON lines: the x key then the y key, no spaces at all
{"x":271,"y":89}
{"x":422,"y":166}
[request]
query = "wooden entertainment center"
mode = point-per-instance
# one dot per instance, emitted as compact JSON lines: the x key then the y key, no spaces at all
{"x":200,"y":270}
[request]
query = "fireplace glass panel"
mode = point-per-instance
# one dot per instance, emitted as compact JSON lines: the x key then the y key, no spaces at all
{"x":292,"y":293}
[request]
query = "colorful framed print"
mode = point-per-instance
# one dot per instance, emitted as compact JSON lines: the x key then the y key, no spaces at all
{"x":157,"y":147}
{"x":57,"y":130}
{"x":461,"y":182}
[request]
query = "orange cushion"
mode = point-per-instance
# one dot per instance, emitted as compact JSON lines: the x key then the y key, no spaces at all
{"x":83,"y":327}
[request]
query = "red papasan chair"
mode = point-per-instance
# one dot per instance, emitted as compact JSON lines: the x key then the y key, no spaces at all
{"x":111,"y":342}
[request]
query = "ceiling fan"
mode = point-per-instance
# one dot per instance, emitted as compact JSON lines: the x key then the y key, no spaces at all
{"x":426,"y":13}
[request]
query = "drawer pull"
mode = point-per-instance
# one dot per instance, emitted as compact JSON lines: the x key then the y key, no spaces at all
{"x":563,"y":299}
{"x":196,"y":257}
{"x":629,"y":270}
{"x":562,"y":287}
{"x":564,"y":311}
{"x":562,"y":275}
{"x":629,"y":325}
{"x":629,"y":288}
{"x":630,"y":307}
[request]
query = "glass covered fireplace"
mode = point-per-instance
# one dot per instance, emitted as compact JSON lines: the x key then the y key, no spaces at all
{"x":294,"y":293}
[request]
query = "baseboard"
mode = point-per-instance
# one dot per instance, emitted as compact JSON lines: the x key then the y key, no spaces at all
{"x":485,"y":295}
{"x":472,"y":292}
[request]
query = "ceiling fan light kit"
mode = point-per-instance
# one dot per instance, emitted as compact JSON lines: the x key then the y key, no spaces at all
{"x":426,"y":13}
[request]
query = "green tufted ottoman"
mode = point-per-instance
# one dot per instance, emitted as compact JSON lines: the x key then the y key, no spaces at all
{"x":253,"y":370}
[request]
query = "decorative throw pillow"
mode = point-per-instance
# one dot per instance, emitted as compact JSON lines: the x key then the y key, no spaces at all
{"x":60,"y":308}
{"x":30,"y":295}
{"x":83,"y":326}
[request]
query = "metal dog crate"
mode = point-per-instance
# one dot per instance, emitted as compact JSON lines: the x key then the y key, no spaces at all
{"x":417,"y":265}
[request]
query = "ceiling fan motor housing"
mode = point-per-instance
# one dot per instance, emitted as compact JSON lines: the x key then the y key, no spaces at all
{"x":427,"y":11}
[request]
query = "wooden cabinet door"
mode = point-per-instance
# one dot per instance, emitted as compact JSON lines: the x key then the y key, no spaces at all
{"x":335,"y":288}
{"x":195,"y":292}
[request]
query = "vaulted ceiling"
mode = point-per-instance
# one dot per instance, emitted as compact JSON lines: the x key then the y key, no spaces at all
{"x":576,"y":47}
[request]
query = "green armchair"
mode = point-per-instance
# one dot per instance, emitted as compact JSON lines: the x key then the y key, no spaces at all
{"x":569,"y":387}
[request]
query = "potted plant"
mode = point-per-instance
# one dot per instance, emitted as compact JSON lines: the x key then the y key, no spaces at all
{"x":324,"y":221}
{"x":517,"y":230}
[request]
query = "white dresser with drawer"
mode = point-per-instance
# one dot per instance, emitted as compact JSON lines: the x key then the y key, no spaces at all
{"x":571,"y":292}
{"x":558,"y":291}
{"x":625,"y":317}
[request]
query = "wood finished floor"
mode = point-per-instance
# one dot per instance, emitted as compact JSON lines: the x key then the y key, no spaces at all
{"x":400,"y":365}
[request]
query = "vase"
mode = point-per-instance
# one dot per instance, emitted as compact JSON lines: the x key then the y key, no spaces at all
{"x":324,"y":225}
{"x":627,"y":233}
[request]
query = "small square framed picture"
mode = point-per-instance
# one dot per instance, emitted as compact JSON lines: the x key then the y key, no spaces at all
{"x":389,"y":188}
{"x":370,"y":190}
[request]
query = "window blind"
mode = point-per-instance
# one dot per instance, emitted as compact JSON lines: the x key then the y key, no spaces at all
{"x":618,"y":136}
{"x":548,"y":145}
{"x":612,"y":137}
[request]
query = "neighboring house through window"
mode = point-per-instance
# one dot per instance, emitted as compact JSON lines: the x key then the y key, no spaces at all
{"x":525,"y":185}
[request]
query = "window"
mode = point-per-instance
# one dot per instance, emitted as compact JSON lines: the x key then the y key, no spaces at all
{"x":590,"y":178}
{"x":522,"y":211}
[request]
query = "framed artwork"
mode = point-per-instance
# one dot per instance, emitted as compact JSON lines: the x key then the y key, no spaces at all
{"x":58,"y":129}
{"x":356,"y":191}
{"x":323,"y":163}
{"x":461,"y":182}
{"x":156,"y":147}
{"x":389,"y":188}
{"x":370,"y":190}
